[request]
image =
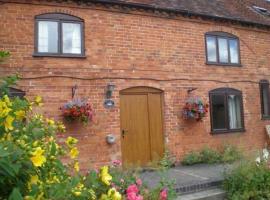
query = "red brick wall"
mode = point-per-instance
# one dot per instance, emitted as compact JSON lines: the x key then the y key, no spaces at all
{"x":150,"y":49}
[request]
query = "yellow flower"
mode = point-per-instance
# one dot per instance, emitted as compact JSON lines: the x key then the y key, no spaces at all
{"x":35,"y":143}
{"x":70,"y":141}
{"x":61,"y":127}
{"x":80,"y":186}
{"x":7,"y":101}
{"x":38,"y":159}
{"x":73,"y":152}
{"x":50,"y":122}
{"x":8,"y":123}
{"x":34,"y":179}
{"x":77,"y":193}
{"x":38,"y":101}
{"x":104,"y":197}
{"x":76,"y":166}
{"x":114,"y":194}
{"x":20,"y":114}
{"x":4,"y":109}
{"x":105,"y":176}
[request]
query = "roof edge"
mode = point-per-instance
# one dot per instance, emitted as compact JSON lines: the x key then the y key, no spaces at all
{"x":184,"y":13}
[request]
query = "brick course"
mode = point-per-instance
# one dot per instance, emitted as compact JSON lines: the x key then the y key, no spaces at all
{"x":135,"y":49}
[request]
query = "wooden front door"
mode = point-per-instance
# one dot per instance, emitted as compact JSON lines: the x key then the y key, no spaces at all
{"x":142,"y":137}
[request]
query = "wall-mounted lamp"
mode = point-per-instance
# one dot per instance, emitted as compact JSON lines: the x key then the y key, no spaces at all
{"x":191,"y":90}
{"x":109,"y":90}
{"x":108,"y":103}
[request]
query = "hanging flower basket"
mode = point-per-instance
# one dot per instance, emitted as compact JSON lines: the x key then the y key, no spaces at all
{"x":195,"y":109}
{"x":77,"y":110}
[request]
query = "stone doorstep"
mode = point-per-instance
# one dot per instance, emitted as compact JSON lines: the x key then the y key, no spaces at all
{"x":199,"y":186}
{"x":210,"y":194}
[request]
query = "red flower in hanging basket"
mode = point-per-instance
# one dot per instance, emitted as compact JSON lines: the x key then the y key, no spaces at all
{"x":77,"y":110}
{"x":195,"y":109}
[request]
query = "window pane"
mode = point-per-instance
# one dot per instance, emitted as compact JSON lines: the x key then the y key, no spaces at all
{"x":71,"y":38}
{"x":47,"y":37}
{"x":211,"y":49}
{"x":265,"y":88}
{"x":223,"y":50}
{"x":218,"y":111}
{"x":234,"y":51}
{"x":234,"y":109}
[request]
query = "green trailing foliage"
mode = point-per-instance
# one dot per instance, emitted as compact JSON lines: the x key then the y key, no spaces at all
{"x":229,"y":154}
{"x":4,"y":55}
{"x":248,"y":181}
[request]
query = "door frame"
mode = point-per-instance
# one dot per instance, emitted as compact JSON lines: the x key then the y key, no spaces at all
{"x":144,"y":90}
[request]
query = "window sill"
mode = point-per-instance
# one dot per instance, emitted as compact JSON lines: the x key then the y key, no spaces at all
{"x":224,"y":64}
{"x":59,"y":55}
{"x":265,"y":117}
{"x":218,"y":132}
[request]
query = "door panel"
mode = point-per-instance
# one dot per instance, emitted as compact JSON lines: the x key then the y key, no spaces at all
{"x":134,"y":121}
{"x":155,"y":126}
{"x":142,"y":123}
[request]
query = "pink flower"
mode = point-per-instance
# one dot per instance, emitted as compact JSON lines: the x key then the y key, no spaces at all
{"x":122,"y":180}
{"x":132,"y":189}
{"x":139,"y":182}
{"x":134,"y":196}
{"x":132,"y":193}
{"x":163,"y":194}
{"x":116,"y":163}
{"x":131,"y":196}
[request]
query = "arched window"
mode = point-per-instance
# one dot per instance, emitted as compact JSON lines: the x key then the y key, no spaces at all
{"x":222,"y":48}
{"x":265,"y":99}
{"x":226,"y":110}
{"x":59,"y":34}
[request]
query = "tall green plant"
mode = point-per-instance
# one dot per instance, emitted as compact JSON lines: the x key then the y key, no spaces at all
{"x":248,"y":181}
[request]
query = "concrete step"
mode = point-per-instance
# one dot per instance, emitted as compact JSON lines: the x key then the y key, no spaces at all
{"x":192,"y":187}
{"x":211,"y":194}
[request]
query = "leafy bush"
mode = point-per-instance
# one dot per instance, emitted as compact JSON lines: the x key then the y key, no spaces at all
{"x":210,"y":156}
{"x":248,"y":181}
{"x":229,"y":154}
{"x":167,"y":161}
{"x":31,"y":167}
{"x":4,"y":55}
{"x":192,"y":158}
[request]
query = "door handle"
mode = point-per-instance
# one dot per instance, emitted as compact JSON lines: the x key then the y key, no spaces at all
{"x":124,"y":132}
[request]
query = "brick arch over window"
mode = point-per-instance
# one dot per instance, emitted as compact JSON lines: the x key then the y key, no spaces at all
{"x":222,"y":48}
{"x":58,"y":16}
{"x":226,"y":110}
{"x":221,"y":33}
{"x":59,"y":35}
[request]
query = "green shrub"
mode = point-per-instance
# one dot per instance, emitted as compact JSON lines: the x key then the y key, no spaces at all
{"x":229,"y":154}
{"x":192,"y":159}
{"x":167,"y":161}
{"x":248,"y":181}
{"x":210,"y":156}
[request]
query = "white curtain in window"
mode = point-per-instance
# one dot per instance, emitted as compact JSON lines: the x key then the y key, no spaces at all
{"x":71,"y":38}
{"x":43,"y":37}
{"x":234,"y":111}
{"x":47,"y":37}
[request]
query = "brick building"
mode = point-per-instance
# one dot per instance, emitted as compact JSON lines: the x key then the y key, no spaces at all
{"x":157,"y":55}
